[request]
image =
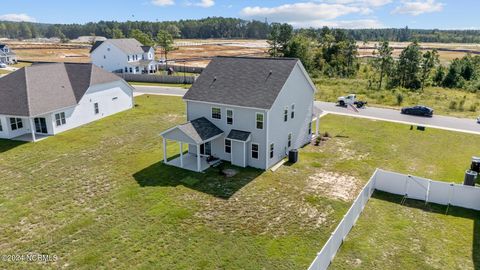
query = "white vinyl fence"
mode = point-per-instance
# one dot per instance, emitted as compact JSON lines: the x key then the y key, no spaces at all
{"x":409,"y":186}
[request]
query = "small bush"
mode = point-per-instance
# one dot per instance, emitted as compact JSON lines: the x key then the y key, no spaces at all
{"x":453,"y":105}
{"x":326,"y":134}
{"x":473,"y":108}
{"x":399,"y":99}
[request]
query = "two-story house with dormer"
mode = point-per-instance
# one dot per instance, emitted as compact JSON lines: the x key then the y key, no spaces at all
{"x":247,"y":111}
{"x":125,"y":55}
{"x":7,"y":56}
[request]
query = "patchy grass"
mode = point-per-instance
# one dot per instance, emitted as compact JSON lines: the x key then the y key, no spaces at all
{"x":389,"y":235}
{"x":99,"y":196}
{"x":4,"y":71}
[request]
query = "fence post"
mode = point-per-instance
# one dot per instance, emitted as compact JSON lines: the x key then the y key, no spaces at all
{"x":427,"y":196}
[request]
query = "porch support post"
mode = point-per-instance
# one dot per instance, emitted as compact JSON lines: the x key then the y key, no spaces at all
{"x":164,"y":150}
{"x":317,"y":125}
{"x":199,"y":169}
{"x":181,"y":154}
{"x":32,"y":129}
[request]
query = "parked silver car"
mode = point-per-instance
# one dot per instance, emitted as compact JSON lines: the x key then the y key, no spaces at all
{"x":3,"y":65}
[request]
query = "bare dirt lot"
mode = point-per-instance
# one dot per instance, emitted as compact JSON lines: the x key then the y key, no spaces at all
{"x":197,"y":51}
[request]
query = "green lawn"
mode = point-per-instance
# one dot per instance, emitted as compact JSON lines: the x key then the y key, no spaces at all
{"x":99,"y":196}
{"x":389,"y":235}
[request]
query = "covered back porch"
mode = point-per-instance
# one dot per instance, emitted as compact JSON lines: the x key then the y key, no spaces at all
{"x":198,"y":133}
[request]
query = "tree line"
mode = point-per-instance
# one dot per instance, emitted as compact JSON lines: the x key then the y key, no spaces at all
{"x":219,"y":27}
{"x":334,"y":53}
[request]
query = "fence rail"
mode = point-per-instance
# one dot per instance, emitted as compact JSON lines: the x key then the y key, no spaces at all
{"x":181,"y":68}
{"x":409,"y":186}
{"x":156,"y":78}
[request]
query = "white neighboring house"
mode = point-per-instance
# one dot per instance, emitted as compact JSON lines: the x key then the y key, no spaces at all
{"x":247,"y":111}
{"x":46,"y":99}
{"x":7,"y":56}
{"x":125,"y":55}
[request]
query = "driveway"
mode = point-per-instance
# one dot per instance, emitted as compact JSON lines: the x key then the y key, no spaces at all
{"x":441,"y":122}
{"x":437,"y":121}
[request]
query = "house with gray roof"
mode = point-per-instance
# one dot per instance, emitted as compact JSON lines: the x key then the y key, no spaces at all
{"x":246,"y":111}
{"x":7,"y":56}
{"x":125,"y":55}
{"x":46,"y":99}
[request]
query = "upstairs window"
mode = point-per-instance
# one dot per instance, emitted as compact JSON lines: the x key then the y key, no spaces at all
{"x":292,"y":113}
{"x":16,"y":123}
{"x":216,"y":113}
{"x":285,"y":114}
{"x":228,"y":146}
{"x":259,"y":120}
{"x":104,"y":57}
{"x":60,"y":119}
{"x":128,"y":58}
{"x":229,"y":117}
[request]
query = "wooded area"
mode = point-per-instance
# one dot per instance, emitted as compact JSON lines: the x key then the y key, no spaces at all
{"x":219,"y":27}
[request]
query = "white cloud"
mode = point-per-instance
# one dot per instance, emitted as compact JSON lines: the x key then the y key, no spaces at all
{"x":163,"y":2}
{"x":17,"y":18}
{"x":417,"y":7}
{"x":206,"y":3}
{"x":353,"y":24}
{"x":366,"y":3}
{"x":202,"y":3}
{"x":303,"y":12}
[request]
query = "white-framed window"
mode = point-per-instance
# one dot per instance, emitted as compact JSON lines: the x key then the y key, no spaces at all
{"x":228,"y":146}
{"x":292,"y":113}
{"x":131,"y":70}
{"x":216,"y":113}
{"x":310,"y":128}
{"x":272,"y":147}
{"x":128,"y":58}
{"x":229,"y":117}
{"x":96,"y":108}
{"x":285,"y":114}
{"x":16,"y":123}
{"x":255,"y":149}
{"x":1,"y":127}
{"x":289,"y":143}
{"x":259,"y":120}
{"x":60,"y":119}
{"x":104,"y":57}
{"x":126,"y":69}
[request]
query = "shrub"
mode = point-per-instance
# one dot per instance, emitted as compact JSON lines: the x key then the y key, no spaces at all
{"x":399,"y":99}
{"x":473,"y":108}
{"x":453,"y":105}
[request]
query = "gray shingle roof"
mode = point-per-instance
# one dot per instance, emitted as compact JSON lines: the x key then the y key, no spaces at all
{"x":242,"y":81}
{"x":127,"y":45}
{"x":238,"y":135}
{"x":42,"y":88}
{"x":200,"y":129}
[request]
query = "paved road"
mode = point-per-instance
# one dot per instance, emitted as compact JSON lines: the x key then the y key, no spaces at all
{"x":440,"y":122}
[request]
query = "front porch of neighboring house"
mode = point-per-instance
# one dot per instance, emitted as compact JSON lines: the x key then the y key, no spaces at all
{"x":197,"y":134}
{"x":28,"y":129}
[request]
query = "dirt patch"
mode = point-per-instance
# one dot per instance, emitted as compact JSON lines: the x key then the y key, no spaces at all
{"x":334,"y":185}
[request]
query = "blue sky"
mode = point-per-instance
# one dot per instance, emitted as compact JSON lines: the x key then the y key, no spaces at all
{"x":442,"y":14}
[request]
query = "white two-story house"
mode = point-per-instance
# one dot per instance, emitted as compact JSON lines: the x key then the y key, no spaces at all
{"x":7,"y":56}
{"x":45,"y":99}
{"x":125,"y":55}
{"x":247,"y":111}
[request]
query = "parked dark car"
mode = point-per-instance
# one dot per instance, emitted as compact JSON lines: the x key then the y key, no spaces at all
{"x":478,"y":120}
{"x":418,"y":110}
